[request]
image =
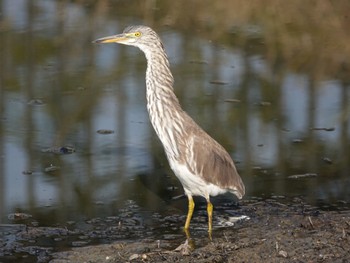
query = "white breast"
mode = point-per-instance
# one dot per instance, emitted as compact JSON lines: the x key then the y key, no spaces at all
{"x":194,"y":184}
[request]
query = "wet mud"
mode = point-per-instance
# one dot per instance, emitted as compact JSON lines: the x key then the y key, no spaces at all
{"x":271,"y":232}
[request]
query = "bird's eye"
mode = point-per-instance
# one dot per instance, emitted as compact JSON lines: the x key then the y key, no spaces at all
{"x":137,"y":34}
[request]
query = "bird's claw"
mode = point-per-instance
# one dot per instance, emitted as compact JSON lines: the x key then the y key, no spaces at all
{"x":186,"y":248}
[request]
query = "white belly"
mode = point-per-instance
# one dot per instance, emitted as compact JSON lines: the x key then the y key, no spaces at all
{"x":194,"y":184}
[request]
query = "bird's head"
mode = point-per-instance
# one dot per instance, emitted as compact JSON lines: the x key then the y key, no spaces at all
{"x":142,"y":37}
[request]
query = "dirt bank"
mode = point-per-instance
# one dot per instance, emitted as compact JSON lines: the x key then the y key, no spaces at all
{"x":275,"y":232}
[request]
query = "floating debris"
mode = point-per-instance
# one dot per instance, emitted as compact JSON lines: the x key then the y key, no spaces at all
{"x":327,"y":160}
{"x":103,"y":131}
{"x":298,"y":176}
{"x":36,"y":102}
{"x":264,"y":103}
{"x":59,"y":150}
{"x":172,"y":188}
{"x":52,"y":168}
{"x":298,"y":141}
{"x":285,"y":130}
{"x":218,"y":82}
{"x":27,"y":172}
{"x":323,"y":129}
{"x":18,"y":216}
{"x":233,"y":100}
{"x":198,"y":62}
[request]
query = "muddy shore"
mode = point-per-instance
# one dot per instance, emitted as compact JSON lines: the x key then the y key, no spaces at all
{"x":274,"y":232}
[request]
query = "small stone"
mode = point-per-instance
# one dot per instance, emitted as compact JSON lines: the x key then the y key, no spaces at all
{"x":134,"y":256}
{"x":282,"y":253}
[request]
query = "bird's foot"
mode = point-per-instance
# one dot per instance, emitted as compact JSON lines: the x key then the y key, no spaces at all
{"x":186,"y":248}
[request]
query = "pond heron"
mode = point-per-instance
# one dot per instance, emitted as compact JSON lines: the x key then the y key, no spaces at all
{"x":202,"y":165}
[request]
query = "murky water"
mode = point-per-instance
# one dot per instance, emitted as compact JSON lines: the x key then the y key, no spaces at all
{"x":58,"y":89}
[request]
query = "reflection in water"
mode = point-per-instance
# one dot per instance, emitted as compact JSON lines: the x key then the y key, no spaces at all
{"x":276,"y":119}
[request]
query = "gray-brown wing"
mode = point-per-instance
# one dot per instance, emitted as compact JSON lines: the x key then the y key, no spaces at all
{"x":213,"y":163}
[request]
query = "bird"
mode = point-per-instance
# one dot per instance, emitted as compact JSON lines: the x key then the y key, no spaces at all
{"x":202,"y":165}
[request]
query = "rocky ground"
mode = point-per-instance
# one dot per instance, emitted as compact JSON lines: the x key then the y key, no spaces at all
{"x":274,"y":232}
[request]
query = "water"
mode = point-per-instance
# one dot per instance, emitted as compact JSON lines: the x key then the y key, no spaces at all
{"x":59,"y":89}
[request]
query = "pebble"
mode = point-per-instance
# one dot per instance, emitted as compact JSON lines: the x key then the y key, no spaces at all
{"x":134,"y":256}
{"x":283,"y":253}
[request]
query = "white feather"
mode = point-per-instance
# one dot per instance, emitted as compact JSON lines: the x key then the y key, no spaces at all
{"x":194,"y":185}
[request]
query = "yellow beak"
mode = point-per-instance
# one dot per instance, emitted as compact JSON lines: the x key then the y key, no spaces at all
{"x":111,"y":39}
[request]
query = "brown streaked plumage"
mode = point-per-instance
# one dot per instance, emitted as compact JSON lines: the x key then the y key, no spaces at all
{"x":201,"y":164}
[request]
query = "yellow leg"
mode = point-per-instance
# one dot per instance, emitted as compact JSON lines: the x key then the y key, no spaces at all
{"x":189,"y":213}
{"x":210,"y":218}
